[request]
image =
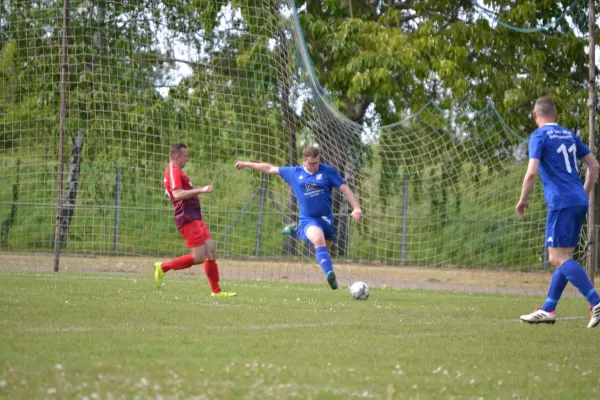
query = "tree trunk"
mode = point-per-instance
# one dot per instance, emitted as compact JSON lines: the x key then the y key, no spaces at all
{"x":7,"y":223}
{"x":1,"y":24}
{"x":349,"y":171}
{"x":596,"y":223}
{"x":291,"y":125}
{"x":289,"y":241}
{"x":70,"y":194}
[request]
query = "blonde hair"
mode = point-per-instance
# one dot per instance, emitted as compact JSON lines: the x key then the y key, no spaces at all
{"x":311,"y":151}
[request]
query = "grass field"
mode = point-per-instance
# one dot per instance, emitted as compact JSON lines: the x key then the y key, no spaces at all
{"x":112,"y":336}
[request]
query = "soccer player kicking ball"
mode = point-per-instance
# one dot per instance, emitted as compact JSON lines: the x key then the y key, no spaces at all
{"x":555,"y":151}
{"x":312,"y":184}
{"x":188,"y":219}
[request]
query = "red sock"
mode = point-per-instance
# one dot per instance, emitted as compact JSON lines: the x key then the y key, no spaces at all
{"x":212,"y":273}
{"x":182,"y":262}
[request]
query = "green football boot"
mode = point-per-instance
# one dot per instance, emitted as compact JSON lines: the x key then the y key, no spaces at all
{"x":332,"y":280}
{"x":223,"y":294}
{"x":289,"y":229}
{"x":159,"y":274}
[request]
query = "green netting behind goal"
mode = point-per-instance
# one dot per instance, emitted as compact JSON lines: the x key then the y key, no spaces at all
{"x":234,"y":81}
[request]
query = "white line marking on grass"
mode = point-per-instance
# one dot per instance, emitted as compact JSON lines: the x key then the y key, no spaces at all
{"x":429,"y":334}
{"x":282,"y":326}
{"x":63,"y":277}
{"x":240,"y":282}
{"x":296,"y":326}
{"x":49,"y":276}
{"x":558,"y":319}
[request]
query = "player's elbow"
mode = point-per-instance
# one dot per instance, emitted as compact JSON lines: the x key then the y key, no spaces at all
{"x":591,"y":163}
{"x":177,"y":196}
{"x":530,"y":176}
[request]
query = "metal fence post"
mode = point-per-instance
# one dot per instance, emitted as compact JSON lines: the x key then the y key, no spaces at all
{"x":261,"y":211}
{"x":117,"y":208}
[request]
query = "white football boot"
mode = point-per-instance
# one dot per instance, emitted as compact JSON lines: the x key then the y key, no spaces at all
{"x":595,"y":312}
{"x":540,"y":316}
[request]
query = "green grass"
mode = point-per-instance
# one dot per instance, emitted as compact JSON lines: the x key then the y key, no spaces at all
{"x":112,"y":336}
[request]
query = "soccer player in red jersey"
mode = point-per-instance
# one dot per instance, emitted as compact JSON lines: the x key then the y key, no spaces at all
{"x":188,"y":218}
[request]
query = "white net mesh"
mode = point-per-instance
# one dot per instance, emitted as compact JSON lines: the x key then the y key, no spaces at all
{"x":234,"y":82}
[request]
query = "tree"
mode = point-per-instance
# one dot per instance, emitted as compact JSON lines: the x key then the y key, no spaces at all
{"x":400,"y":54}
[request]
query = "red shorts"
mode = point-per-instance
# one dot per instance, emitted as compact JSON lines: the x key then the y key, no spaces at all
{"x":195,"y":233}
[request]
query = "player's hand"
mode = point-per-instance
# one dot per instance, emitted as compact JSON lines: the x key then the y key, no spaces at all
{"x":207,"y":189}
{"x":521,"y":206}
{"x":240,"y":165}
{"x":356,"y":214}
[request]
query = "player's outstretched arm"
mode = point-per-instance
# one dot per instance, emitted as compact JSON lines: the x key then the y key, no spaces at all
{"x":181,"y":194}
{"x":264,"y":168}
{"x":356,"y":211}
{"x":591,"y":173}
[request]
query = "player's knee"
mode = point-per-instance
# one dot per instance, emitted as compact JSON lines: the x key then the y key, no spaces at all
{"x":210,"y":249}
{"x":197,"y":259}
{"x":555,"y":260}
{"x":199,"y":256}
{"x":211,"y":254}
{"x":318,"y":242}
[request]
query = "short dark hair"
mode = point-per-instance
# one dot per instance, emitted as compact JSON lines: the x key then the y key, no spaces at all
{"x":175,"y":149}
{"x":311,"y":151}
{"x":545,"y":107}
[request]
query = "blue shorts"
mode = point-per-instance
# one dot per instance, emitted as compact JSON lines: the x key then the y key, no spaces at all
{"x":325,"y":223}
{"x":564,"y":226}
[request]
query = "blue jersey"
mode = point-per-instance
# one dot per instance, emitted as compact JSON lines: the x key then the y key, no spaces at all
{"x":558,"y":150}
{"x":313,"y":191}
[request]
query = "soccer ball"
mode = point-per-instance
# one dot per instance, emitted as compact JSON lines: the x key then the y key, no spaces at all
{"x":359,"y":291}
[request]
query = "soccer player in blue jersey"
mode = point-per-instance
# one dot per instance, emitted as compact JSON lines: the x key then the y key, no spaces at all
{"x":312,"y":184}
{"x":554,"y":151}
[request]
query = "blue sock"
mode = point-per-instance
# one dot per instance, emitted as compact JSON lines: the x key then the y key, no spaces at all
{"x":557,"y":286}
{"x":323,"y":259}
{"x":577,"y":276}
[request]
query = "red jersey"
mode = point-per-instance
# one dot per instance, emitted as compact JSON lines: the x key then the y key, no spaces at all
{"x":186,"y":210}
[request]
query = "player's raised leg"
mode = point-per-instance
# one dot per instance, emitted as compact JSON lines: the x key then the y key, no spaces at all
{"x":578,"y":277}
{"x":192,"y":233}
{"x":160,"y":269}
{"x":317,"y":237}
{"x":575,"y":274}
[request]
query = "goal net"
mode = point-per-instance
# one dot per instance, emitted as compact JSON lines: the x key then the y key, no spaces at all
{"x":235,"y":81}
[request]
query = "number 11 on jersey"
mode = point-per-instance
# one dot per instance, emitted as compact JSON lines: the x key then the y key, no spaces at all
{"x":572,"y":149}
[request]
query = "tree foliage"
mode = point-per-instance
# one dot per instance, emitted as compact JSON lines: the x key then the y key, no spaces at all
{"x":398,"y":54}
